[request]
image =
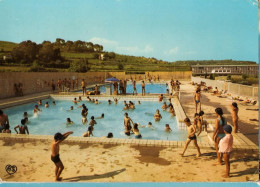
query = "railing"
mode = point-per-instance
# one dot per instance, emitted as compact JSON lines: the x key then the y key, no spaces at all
{"x":237,"y":89}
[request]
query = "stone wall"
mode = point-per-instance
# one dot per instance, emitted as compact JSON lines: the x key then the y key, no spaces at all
{"x":35,"y":82}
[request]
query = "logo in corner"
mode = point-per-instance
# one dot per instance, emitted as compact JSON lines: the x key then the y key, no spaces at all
{"x":10,"y":169}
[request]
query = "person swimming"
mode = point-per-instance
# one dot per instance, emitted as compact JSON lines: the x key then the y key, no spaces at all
{"x":53,"y":103}
{"x":126,"y":107}
{"x":157,"y":116}
{"x":40,"y":102}
{"x":46,"y":105}
{"x":109,"y":102}
{"x":75,"y":101}
{"x":89,"y":132}
{"x":36,"y":109}
{"x":71,"y":108}
{"x":131,"y":105}
{"x":110,"y":135}
{"x":164,"y":106}
{"x":161,"y":98}
{"x":136,"y":131}
{"x":92,"y":121}
{"x":96,"y":102}
{"x":69,"y":122}
{"x":79,"y":99}
{"x":139,"y":102}
{"x":101,"y":117}
{"x":84,"y":113}
{"x":167,"y":128}
{"x":89,"y":99}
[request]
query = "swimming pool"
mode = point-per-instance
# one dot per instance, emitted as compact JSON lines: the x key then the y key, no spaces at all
{"x":52,"y":120}
{"x":149,"y":88}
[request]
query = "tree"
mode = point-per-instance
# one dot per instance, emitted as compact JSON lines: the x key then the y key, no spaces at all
{"x":111,"y":55}
{"x":80,"y":66}
{"x":120,"y":66}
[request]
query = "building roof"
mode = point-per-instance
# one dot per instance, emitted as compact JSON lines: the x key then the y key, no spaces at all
{"x":254,"y":65}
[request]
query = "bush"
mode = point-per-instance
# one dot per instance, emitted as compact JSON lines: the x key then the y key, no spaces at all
{"x":120,"y":66}
{"x":229,"y":77}
{"x":95,"y":56}
{"x":212,"y":76}
{"x":244,"y":76}
{"x":79,"y":66}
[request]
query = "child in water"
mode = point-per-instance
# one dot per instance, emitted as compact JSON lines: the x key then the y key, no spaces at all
{"x":69,"y":122}
{"x":167,"y":128}
{"x":92,"y":121}
{"x":136,"y":131}
{"x":46,"y":105}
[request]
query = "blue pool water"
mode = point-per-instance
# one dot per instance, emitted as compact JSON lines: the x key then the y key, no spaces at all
{"x":149,"y":88}
{"x":52,"y":120}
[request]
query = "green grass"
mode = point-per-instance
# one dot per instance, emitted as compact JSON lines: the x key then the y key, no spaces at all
{"x":7,"y":46}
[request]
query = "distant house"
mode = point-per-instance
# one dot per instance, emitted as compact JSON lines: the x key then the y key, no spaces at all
{"x":225,"y":69}
{"x":102,"y":57}
{"x":7,"y":57}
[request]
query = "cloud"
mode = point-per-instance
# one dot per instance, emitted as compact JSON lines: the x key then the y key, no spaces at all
{"x":115,"y":46}
{"x":172,"y":51}
{"x":103,"y":41}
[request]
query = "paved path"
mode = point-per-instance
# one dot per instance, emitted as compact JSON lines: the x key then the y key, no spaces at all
{"x":209,"y":102}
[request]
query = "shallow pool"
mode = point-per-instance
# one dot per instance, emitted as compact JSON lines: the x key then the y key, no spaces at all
{"x":53,"y":119}
{"x":149,"y":88}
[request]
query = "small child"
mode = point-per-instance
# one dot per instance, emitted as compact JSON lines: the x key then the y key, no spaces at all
{"x":136,"y":131}
{"x":139,"y":102}
{"x":110,"y":135}
{"x":96,"y":102}
{"x":75,"y":101}
{"x":92,"y":121}
{"x":53,"y":103}
{"x":167,"y":128}
{"x":191,"y":137}
{"x":109,"y":102}
{"x":101,"y":117}
{"x":46,"y":105}
{"x":225,"y":148}
{"x":89,"y":132}
{"x":69,"y":122}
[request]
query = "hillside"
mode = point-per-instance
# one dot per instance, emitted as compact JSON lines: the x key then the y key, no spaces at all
{"x":92,"y":61}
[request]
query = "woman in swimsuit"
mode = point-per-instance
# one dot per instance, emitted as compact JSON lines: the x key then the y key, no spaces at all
{"x":235,"y":116}
{"x":157,"y":116}
{"x":219,"y":132}
{"x":136,"y":131}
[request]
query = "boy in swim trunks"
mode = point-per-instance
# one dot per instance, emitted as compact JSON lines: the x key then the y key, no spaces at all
{"x":22,"y":128}
{"x":191,"y":137}
{"x":127,"y":124}
{"x":55,"y":157}
{"x":196,"y":99}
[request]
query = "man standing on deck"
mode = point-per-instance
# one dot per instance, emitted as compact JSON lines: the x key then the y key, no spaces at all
{"x":196,"y":99}
{"x":143,"y":88}
{"x":55,"y":156}
{"x":125,"y":84}
{"x":83,"y":86}
{"x":3,"y":120}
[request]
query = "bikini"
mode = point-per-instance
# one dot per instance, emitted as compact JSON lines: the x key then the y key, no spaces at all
{"x":221,"y":123}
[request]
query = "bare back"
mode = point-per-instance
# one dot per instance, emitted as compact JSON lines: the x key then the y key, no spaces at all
{"x":55,"y":148}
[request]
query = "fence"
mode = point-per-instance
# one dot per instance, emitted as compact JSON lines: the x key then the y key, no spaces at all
{"x":35,"y":82}
{"x":237,"y":89}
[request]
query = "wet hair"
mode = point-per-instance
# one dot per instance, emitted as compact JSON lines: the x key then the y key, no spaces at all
{"x":167,"y":125}
{"x":25,"y":113}
{"x":46,"y":103}
{"x":71,"y":106}
{"x":1,"y":112}
{"x":187,"y":120}
{"x":196,"y":114}
{"x":201,"y":113}
{"x":92,"y":117}
{"x":110,"y":135}
{"x":68,"y":119}
{"x":219,"y":111}
{"x":53,"y":101}
{"x":135,"y":126}
{"x":23,"y":121}
{"x":234,"y":104}
{"x":126,"y":113}
{"x":102,"y":114}
{"x":58,"y":136}
{"x":198,"y":90}
{"x":149,"y":123}
{"x":75,"y":99}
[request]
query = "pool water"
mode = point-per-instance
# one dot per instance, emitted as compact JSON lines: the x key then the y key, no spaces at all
{"x":53,"y":119}
{"x":149,"y":88}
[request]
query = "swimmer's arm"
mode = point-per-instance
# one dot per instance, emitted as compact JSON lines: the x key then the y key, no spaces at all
{"x":65,"y":135}
{"x":16,"y":128}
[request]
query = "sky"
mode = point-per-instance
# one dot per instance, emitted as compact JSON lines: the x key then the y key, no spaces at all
{"x":168,"y":30}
